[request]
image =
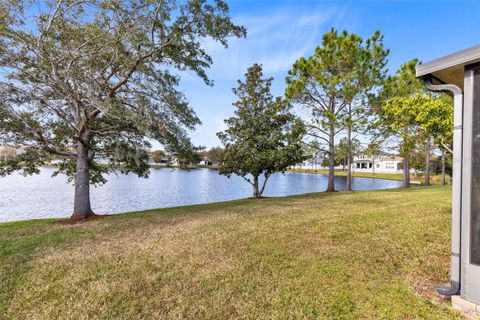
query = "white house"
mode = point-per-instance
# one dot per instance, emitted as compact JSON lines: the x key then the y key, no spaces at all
{"x":206,"y":161}
{"x":10,"y":152}
{"x":383,"y":164}
{"x":312,"y":163}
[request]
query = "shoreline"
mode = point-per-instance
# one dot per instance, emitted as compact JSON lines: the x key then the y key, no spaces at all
{"x":339,"y":173}
{"x":435,"y":179}
{"x":247,"y":200}
{"x":208,"y":257}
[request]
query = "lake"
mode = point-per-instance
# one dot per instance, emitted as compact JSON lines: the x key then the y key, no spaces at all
{"x":43,"y":196}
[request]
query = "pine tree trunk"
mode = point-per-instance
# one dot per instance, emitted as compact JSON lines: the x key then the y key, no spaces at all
{"x":331,"y":160}
{"x":82,"y":208}
{"x":349,"y":156}
{"x":406,"y":173}
{"x":444,"y":182}
{"x":373,"y":165}
{"x":427,"y":164}
{"x":256,"y":192}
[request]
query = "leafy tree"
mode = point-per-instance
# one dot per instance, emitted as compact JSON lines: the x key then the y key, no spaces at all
{"x":216,"y":154}
{"x":417,"y":156}
{"x":263,"y":137}
{"x":345,"y":151}
{"x":341,"y":70}
{"x":356,"y":119}
{"x":97,"y":78}
{"x":443,"y":165}
{"x":357,"y":114}
{"x":396,"y":114}
{"x":341,"y":153}
{"x":314,"y":152}
{"x":399,"y":120}
{"x":191,"y":158}
{"x":157,"y":156}
{"x":436,"y":117}
{"x":433,"y":113}
{"x":374,"y":150}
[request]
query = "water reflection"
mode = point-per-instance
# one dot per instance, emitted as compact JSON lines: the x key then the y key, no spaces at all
{"x":43,"y":196}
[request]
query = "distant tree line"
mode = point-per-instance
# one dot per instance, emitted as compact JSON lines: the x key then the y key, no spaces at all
{"x":89,"y":79}
{"x":345,"y":87}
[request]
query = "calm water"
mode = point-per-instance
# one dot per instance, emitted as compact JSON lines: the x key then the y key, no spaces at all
{"x":41,"y":196}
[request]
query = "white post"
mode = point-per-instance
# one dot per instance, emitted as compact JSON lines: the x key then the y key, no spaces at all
{"x":457,"y":187}
{"x":456,"y":184}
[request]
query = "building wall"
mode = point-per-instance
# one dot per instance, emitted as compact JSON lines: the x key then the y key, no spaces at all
{"x":387,"y":164}
{"x":381,"y":166}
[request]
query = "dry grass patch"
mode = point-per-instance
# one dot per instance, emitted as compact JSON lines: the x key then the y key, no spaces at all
{"x":332,"y":256}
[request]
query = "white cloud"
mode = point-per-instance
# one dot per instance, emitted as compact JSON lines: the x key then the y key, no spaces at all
{"x":275,"y":40}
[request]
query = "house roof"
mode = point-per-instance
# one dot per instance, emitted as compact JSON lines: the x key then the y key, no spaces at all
{"x":450,"y":69}
{"x":382,"y":158}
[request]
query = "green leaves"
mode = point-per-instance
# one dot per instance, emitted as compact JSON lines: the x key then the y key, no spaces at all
{"x":421,"y":112}
{"x":342,"y":66}
{"x":344,"y":149}
{"x":333,"y":84}
{"x":406,"y":109}
{"x":341,"y":72}
{"x":263,"y":137}
{"x":103,"y":74}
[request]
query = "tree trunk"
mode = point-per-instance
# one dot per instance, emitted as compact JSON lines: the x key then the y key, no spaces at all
{"x":444,"y":182}
{"x":331,"y":159}
{"x":256,"y":192}
{"x":349,"y":159}
{"x":427,"y":164}
{"x":266,"y":176}
{"x":373,"y":165}
{"x":82,"y":208}
{"x":406,"y":173}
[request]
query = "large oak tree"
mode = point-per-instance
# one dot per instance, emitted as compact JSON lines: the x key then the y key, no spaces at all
{"x":83,"y":79}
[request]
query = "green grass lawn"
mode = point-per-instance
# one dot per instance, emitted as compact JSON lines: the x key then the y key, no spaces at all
{"x":348,"y":255}
{"x":434,"y":179}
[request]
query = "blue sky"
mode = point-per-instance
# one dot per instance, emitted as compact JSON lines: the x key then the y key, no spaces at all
{"x":279,"y":32}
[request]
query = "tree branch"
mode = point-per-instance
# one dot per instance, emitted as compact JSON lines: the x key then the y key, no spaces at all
{"x":318,"y":137}
{"x":248,"y":180}
{"x":446,"y":147}
{"x":267,"y":176}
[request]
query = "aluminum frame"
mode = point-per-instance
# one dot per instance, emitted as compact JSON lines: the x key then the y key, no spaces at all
{"x":455,"y":73}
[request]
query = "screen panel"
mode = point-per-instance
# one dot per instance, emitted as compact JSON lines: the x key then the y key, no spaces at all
{"x":475,"y":191}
